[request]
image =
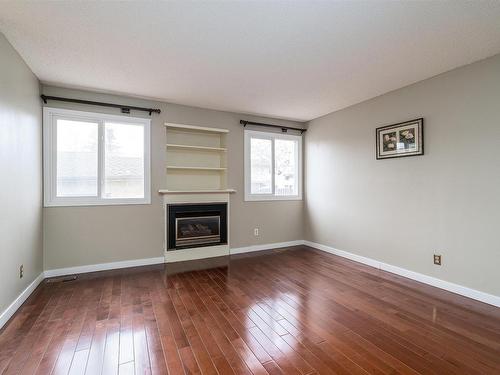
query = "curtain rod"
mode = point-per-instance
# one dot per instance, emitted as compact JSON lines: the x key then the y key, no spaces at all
{"x":124,"y":108}
{"x":284,"y":129}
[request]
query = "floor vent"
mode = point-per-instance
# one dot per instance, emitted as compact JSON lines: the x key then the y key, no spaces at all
{"x":62,"y":279}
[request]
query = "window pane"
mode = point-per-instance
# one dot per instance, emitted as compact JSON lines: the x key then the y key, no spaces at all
{"x":260,"y":166}
{"x":123,"y":161}
{"x":76,"y":158}
{"x":286,"y":172}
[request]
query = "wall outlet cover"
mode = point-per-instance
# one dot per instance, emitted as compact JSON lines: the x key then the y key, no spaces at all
{"x":437,"y":259}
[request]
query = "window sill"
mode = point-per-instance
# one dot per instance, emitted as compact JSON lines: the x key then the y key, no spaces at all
{"x":271,"y":198}
{"x":114,"y":202}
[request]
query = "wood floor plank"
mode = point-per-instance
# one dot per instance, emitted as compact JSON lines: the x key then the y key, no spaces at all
{"x":67,"y":353}
{"x":298,"y":311}
{"x":111,"y":356}
{"x":79,"y":363}
{"x":127,"y":368}
{"x":97,"y":347}
{"x":38,"y":336}
{"x":240,"y":328}
{"x":141,"y":353}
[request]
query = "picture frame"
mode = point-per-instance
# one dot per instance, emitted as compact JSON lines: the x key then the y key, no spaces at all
{"x":400,"y":140}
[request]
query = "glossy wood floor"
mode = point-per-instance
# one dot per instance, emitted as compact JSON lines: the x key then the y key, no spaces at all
{"x":283,"y":312}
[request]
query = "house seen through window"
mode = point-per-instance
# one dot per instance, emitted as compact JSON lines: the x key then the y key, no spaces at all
{"x":273,"y":166}
{"x":95,"y":158}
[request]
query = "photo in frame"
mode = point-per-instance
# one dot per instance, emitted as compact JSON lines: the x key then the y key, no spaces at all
{"x":401,"y":139}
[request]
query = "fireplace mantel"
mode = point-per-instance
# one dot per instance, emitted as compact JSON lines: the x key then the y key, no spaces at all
{"x":227,"y":191}
{"x":173,"y":197}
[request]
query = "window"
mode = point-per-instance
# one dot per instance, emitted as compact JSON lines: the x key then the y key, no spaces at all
{"x":273,"y":166}
{"x":95,"y":159}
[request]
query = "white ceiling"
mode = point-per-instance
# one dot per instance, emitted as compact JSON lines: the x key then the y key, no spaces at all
{"x":294,"y":59}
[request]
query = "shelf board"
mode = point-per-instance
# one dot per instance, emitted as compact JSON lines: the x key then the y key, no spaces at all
{"x":195,"y":128}
{"x":200,"y":148}
{"x":166,"y":191}
{"x":196,"y":168}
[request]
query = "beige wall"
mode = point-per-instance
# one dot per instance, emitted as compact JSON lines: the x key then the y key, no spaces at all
{"x":21,"y":175}
{"x":75,"y":236}
{"x":401,"y":211}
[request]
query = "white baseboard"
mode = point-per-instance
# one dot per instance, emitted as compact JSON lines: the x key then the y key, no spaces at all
{"x":442,"y":284}
{"x":172,"y":256}
{"x":14,"y":306}
{"x":103,"y":266}
{"x":269,"y":246}
{"x":433,"y":281}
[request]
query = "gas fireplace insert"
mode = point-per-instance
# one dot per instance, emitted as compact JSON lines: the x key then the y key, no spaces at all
{"x":196,"y":225}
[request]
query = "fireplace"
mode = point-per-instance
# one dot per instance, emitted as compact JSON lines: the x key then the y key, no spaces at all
{"x":196,"y":225}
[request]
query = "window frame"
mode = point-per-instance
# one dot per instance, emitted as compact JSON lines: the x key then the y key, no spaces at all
{"x":249,"y":134}
{"x":50,"y":117}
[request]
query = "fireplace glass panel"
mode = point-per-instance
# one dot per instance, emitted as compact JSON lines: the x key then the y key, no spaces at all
{"x":196,"y":225}
{"x":197,"y":230}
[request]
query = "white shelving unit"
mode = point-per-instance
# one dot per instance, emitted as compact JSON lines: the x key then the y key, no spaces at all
{"x":197,"y":168}
{"x":194,"y":148}
{"x":196,"y":158}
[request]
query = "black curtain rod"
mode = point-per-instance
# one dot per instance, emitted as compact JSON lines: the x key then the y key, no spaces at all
{"x":124,"y":108}
{"x":284,"y":129}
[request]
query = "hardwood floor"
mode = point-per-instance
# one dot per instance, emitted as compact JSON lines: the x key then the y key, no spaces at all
{"x":298,"y":311}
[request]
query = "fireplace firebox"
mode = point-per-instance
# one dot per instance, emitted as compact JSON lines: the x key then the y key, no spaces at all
{"x":196,"y":225}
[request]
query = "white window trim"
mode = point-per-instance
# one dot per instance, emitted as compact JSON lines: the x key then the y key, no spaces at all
{"x":271,"y":136}
{"x":49,"y":159}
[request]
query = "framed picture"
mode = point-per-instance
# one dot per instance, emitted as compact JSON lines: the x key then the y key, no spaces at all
{"x":402,"y":139}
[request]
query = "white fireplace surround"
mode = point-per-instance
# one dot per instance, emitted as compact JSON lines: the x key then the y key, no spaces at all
{"x":195,"y":197}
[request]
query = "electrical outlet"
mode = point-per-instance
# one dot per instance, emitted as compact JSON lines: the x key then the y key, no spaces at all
{"x":437,"y":259}
{"x":256,"y":231}
{"x":21,"y":271}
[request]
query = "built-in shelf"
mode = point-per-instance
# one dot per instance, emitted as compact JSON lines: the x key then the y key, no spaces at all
{"x":197,"y":168}
{"x":194,"y":148}
{"x":195,"y":128}
{"x":196,"y":158}
{"x":226,"y":191}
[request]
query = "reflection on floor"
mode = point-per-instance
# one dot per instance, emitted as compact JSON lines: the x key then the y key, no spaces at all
{"x":298,"y":311}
